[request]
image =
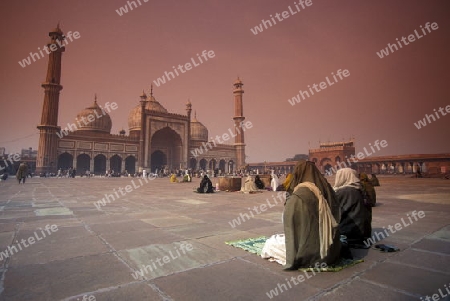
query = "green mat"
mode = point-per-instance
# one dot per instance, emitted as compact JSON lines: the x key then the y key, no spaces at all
{"x":255,"y":245}
{"x":252,"y":245}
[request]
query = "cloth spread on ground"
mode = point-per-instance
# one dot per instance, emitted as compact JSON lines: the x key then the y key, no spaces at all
{"x":256,"y":245}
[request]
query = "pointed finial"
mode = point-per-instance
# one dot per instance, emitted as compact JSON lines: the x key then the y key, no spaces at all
{"x":95,"y":97}
{"x":151,"y":90}
{"x":195,"y":114}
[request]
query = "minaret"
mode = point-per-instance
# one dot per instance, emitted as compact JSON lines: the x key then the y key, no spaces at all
{"x":141,"y":155}
{"x":238,"y":120}
{"x":47,"y":156}
{"x":188,"y":142}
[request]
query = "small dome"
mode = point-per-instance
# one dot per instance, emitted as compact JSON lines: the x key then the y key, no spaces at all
{"x":134,"y":118}
{"x":94,"y":119}
{"x":199,"y":132}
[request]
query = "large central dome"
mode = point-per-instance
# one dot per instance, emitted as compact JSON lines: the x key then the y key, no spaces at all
{"x":134,"y":118}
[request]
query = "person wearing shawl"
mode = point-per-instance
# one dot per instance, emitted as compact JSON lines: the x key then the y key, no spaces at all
{"x":374,"y":180}
{"x":356,"y":216}
{"x":259,"y":184}
{"x":368,"y":189}
{"x":249,"y":185}
{"x":205,"y":185}
{"x":310,"y":218}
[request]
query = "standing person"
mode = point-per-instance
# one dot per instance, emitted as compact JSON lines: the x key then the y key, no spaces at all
{"x":22,"y":172}
{"x":274,"y":182}
{"x":310,"y":218}
{"x":356,"y":216}
{"x":367,"y":186}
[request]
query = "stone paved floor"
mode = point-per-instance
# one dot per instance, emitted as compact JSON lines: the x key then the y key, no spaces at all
{"x":95,"y":254}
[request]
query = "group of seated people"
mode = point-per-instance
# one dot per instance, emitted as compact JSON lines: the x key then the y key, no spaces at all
{"x":316,"y":215}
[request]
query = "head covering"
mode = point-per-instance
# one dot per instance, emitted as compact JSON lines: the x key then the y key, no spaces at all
{"x":307,"y":175}
{"x":346,"y":177}
{"x":287,"y":182}
{"x":306,"y":171}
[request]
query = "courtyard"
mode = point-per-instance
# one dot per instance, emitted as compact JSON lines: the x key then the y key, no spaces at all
{"x":156,"y":240}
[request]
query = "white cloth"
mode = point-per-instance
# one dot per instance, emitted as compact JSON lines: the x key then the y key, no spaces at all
{"x":346,"y":177}
{"x":327,"y":223}
{"x":275,"y":249}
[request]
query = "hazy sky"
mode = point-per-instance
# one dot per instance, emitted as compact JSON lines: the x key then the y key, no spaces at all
{"x":119,"y":56}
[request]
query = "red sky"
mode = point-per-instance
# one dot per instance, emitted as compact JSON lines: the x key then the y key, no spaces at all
{"x":118,"y":56}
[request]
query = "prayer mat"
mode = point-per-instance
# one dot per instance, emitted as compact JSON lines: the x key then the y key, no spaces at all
{"x":252,"y":245}
{"x":255,"y":245}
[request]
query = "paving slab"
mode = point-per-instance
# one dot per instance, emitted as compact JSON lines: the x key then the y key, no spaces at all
{"x":158,"y":260}
{"x":61,"y":279}
{"x":230,"y":281}
{"x":406,"y":278}
{"x":363,"y":290}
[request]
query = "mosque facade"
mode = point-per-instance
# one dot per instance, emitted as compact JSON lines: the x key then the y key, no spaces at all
{"x":157,"y":139}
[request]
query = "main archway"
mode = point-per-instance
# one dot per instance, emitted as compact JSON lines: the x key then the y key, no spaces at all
{"x":166,"y":143}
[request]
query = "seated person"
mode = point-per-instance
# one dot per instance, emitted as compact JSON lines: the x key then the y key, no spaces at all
{"x":368,"y":189}
{"x":205,"y":185}
{"x":186,"y":178}
{"x":259,"y":184}
{"x":374,"y":180}
{"x":356,"y":216}
{"x":173,"y":178}
{"x":249,"y":185}
{"x":310,"y":218}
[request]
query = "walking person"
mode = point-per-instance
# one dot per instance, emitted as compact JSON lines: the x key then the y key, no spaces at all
{"x":22,"y":172}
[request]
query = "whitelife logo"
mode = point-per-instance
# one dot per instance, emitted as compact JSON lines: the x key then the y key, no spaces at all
{"x":411,"y":38}
{"x":48,"y":49}
{"x":11,"y":250}
{"x":199,"y":150}
{"x":111,"y":198}
{"x":124,"y":9}
{"x":188,"y":66}
{"x":315,"y":87}
{"x":382,"y":235}
{"x":280,"y":17}
{"x":423,"y":122}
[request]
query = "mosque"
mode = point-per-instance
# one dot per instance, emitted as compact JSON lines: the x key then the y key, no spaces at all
{"x":157,"y":139}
